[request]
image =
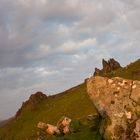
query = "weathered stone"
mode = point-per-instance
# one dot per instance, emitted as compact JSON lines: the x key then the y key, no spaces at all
{"x":63,"y":125}
{"x":51,"y":129}
{"x":118,"y":99}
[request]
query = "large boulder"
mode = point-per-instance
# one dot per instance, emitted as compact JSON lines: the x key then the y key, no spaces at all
{"x":118,"y":100}
{"x":108,"y":66}
{"x":52,"y":130}
{"x":48,"y":128}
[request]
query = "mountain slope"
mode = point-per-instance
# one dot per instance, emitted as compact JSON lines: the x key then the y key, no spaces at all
{"x":73,"y":103}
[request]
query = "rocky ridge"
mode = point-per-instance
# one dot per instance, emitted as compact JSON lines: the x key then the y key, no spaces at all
{"x":118,"y":100}
{"x":108,"y":66}
{"x":33,"y":102}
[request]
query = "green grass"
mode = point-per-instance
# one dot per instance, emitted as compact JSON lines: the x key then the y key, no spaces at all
{"x":73,"y":103}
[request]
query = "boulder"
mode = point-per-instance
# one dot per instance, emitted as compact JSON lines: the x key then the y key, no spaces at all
{"x":52,"y":130}
{"x":116,"y":99}
{"x":48,"y":128}
{"x":63,"y":125}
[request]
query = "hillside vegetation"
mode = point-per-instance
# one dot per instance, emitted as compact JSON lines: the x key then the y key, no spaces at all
{"x":131,"y":71}
{"x":73,"y":103}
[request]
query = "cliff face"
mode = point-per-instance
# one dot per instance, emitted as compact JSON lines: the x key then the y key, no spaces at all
{"x":117,"y":99}
{"x":108,"y":66}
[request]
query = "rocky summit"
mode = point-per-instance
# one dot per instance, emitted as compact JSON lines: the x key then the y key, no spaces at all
{"x":118,"y":100}
{"x":108,"y":66}
{"x":33,"y":102}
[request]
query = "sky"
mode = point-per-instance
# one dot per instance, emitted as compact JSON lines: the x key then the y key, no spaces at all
{"x":52,"y":45}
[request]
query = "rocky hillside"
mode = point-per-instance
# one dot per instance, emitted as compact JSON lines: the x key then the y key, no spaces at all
{"x":131,"y":71}
{"x":73,"y":103}
{"x":117,"y":99}
{"x":108,"y":66}
{"x":106,"y":106}
{"x":33,"y":103}
{"x":112,"y":68}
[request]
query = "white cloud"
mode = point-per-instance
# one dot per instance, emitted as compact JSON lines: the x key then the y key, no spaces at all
{"x":44,"y":72}
{"x":72,"y":46}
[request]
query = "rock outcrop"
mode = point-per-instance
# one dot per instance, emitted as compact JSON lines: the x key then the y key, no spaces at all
{"x":108,"y":66}
{"x":48,"y":128}
{"x":33,"y":102}
{"x":118,"y":100}
{"x":62,"y":127}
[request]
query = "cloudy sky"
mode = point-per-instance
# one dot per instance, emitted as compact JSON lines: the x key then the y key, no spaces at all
{"x":52,"y":45}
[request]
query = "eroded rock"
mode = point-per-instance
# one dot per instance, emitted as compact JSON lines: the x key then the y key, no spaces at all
{"x":108,"y":66}
{"x":48,"y":128}
{"x":62,"y":127}
{"x":117,"y":99}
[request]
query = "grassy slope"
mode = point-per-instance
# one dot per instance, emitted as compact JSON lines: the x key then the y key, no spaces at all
{"x":73,"y":103}
{"x":127,"y":71}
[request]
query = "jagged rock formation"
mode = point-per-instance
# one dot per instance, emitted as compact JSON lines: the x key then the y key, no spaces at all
{"x":118,"y":100}
{"x":108,"y":66}
{"x":33,"y":102}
